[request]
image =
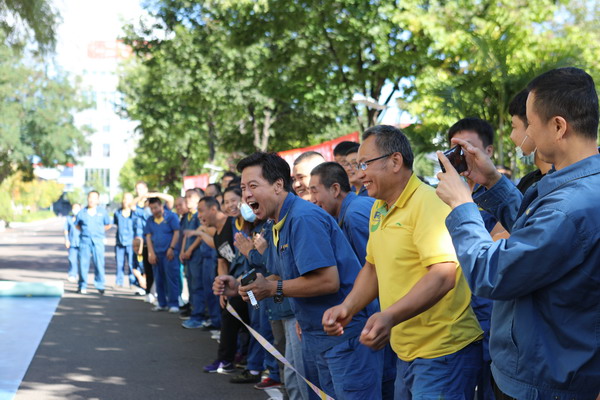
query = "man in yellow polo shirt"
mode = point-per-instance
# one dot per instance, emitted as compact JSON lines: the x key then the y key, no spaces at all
{"x":412,"y":267}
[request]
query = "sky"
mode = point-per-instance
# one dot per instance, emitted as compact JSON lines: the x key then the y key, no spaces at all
{"x":85,"y":21}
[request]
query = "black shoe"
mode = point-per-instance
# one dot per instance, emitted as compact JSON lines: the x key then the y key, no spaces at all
{"x":246,"y":377}
{"x":185,"y":314}
{"x":101,"y":291}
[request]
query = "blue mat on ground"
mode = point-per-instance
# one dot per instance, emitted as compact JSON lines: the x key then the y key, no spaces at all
{"x":24,"y":317}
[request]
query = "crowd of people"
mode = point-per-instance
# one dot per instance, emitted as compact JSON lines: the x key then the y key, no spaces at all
{"x":374,"y":284}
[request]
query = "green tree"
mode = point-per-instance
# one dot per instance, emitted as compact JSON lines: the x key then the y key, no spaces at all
{"x":19,"y":19}
{"x":36,"y":116}
{"x":487,"y":53}
{"x":76,"y":196}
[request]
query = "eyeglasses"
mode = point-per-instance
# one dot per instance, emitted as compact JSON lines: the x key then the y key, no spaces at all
{"x":363,"y":165}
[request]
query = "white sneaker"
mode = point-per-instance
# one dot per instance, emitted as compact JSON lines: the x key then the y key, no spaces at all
{"x":140,"y":292}
{"x":174,"y":310}
{"x":159,"y":308}
{"x":150,"y":298}
{"x":82,"y":291}
{"x":72,"y":279}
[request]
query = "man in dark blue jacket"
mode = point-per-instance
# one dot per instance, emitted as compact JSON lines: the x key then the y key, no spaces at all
{"x":544,"y":278}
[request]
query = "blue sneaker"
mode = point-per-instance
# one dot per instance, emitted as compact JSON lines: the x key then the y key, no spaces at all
{"x":220,"y":367}
{"x":192,"y":324}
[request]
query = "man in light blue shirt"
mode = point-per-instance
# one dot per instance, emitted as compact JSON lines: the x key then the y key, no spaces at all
{"x":93,"y":222}
{"x":544,"y":278}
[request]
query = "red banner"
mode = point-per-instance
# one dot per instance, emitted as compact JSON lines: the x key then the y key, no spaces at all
{"x":196,"y":181}
{"x":325,"y":148}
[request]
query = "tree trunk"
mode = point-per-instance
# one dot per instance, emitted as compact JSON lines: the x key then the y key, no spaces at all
{"x":211,"y":140}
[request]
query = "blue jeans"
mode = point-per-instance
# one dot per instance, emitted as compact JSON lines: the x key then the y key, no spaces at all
{"x":451,"y":377}
{"x":209,"y":272}
{"x":73,"y":261}
{"x":295,"y":386}
{"x":123,"y":253}
{"x":348,"y":370}
{"x":87,"y":251}
{"x":196,"y":288}
{"x":167,"y":277}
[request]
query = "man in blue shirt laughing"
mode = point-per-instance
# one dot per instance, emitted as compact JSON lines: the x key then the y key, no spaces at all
{"x":544,"y":278}
{"x":316,"y":269}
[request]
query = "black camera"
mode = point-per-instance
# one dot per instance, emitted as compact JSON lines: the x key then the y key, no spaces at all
{"x":456,"y":156}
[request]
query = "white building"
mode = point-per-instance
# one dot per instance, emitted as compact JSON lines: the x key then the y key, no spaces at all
{"x":88,"y":47}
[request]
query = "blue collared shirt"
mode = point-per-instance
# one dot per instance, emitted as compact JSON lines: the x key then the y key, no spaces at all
{"x":311,"y":239}
{"x":140,"y":217}
{"x":73,"y":233}
{"x":92,"y":227}
{"x":354,"y":218}
{"x":162,"y":233}
{"x":124,"y":228}
{"x":545,"y":279}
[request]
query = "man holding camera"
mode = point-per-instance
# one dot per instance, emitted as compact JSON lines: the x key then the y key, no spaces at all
{"x":544,"y":278}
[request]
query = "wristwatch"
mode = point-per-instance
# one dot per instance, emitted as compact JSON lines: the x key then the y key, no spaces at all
{"x":278,"y":298}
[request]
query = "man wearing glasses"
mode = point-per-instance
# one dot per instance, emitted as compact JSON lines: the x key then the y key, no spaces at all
{"x":411,"y":266}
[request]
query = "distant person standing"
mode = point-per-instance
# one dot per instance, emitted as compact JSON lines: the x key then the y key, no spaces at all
{"x":93,"y":222}
{"x":123,"y":220}
{"x":72,"y":242}
{"x":162,"y":238}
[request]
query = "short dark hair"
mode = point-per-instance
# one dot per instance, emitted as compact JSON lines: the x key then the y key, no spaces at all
{"x":93,"y":191}
{"x":216,"y":185}
{"x":154,"y":200}
{"x":330,"y":173}
{"x":341,"y":147}
{"x":517,"y":106}
{"x":237,"y":181}
{"x":194,"y":191}
{"x":483,"y":129}
{"x":235,"y":189}
{"x":389,"y":139}
{"x":570,"y":93}
{"x":229,"y":174}
{"x":272,"y":165}
{"x":211,"y":202}
{"x":352,"y":149}
{"x":306,"y":156}
{"x":200,"y":192}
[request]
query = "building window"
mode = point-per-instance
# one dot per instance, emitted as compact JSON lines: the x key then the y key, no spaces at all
{"x":97,"y":179}
{"x":106,"y":150}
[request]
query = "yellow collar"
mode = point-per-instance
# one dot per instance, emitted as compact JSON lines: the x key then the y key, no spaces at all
{"x":276,"y":228}
{"x":159,"y":220}
{"x":189,"y":217}
{"x":239,"y":225}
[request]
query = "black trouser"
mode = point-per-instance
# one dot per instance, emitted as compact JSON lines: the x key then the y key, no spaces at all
{"x":230,"y":326}
{"x":147,"y":270}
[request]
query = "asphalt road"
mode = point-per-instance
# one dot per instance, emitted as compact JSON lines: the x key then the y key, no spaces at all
{"x":111,"y":346}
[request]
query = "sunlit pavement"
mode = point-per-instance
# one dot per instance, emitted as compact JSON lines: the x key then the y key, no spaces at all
{"x":111,"y":346}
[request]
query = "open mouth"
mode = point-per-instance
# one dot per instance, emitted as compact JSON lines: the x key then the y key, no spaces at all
{"x":254,"y":205}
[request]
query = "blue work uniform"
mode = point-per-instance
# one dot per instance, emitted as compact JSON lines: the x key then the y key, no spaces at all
{"x":73,"y":237}
{"x":305,"y":239}
{"x":363,"y":192}
{"x":167,"y":275}
{"x":544,"y":279}
{"x":482,"y":308}
{"x":354,"y":218}
{"x":124,"y":245}
{"x":193,"y":267}
{"x":91,"y":245}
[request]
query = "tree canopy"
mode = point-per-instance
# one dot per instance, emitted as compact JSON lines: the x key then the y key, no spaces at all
{"x":212,"y":77}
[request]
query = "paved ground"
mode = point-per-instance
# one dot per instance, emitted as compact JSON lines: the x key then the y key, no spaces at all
{"x":112,"y":346}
